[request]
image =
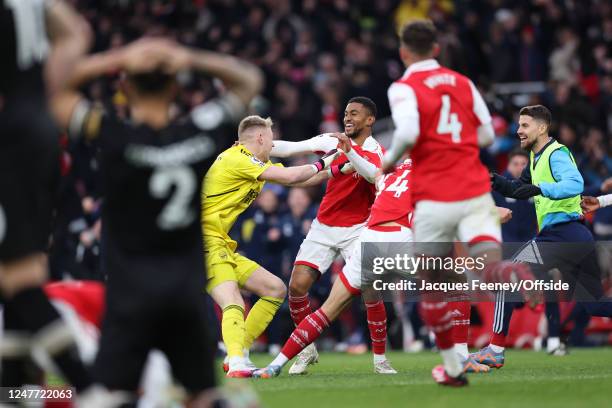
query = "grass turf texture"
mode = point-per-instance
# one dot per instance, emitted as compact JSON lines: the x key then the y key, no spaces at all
{"x":581,"y":379}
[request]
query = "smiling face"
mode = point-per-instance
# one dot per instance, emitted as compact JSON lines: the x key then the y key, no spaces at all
{"x":357,"y":119}
{"x":529,"y":130}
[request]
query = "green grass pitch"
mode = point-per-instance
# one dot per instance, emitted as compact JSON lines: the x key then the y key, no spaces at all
{"x":529,"y":379}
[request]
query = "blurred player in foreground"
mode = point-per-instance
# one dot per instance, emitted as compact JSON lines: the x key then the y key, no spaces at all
{"x":230,"y":186}
{"x":389,"y":222}
{"x":151,"y":169}
{"x":81,"y":304}
{"x":441,"y":117}
{"x":340,"y":219}
{"x":39,"y":45}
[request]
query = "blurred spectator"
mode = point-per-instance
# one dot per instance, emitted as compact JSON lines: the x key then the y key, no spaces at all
{"x":294,"y":225}
{"x":564,"y":63}
{"x":523,"y":225}
{"x":260,"y":235}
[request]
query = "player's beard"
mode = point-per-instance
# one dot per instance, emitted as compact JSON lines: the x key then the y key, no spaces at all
{"x":528,"y":144}
{"x":354,"y":134}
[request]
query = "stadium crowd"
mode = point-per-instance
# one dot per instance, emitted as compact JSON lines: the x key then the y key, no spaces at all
{"x":316,"y":54}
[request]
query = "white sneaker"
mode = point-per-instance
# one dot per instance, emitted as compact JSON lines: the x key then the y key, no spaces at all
{"x":97,"y":396}
{"x":249,"y":364}
{"x":307,"y":357}
{"x":384,"y":367}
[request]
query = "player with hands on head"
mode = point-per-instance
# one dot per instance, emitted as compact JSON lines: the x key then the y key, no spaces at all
{"x":151,"y":167}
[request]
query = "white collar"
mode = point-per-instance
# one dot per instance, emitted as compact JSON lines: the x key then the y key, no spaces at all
{"x":425,"y":65}
{"x":369,"y":145}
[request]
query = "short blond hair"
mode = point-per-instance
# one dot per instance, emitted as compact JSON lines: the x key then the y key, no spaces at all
{"x":253,"y":121}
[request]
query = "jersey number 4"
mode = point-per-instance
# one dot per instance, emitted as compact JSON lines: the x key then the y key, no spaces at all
{"x":177,"y":213}
{"x":449,"y":122}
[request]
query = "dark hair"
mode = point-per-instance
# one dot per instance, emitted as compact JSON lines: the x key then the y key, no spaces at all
{"x":518,"y":152}
{"x":419,"y":36}
{"x":367,"y":102}
{"x":538,"y":112}
{"x":151,"y":82}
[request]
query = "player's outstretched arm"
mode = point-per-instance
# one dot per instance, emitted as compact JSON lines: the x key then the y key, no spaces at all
{"x":315,"y":180}
{"x":318,"y":144}
{"x":366,"y":169}
{"x":70,"y":37}
{"x":298,"y":174}
{"x":590,"y":204}
{"x":520,"y":189}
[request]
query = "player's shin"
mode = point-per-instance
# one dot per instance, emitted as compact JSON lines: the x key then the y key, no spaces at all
{"x":299,"y":307}
{"x":233,"y":332}
{"x":437,"y":315}
{"x":460,"y":310}
{"x":377,"y":325}
{"x":305,"y":333}
{"x":259,"y":317}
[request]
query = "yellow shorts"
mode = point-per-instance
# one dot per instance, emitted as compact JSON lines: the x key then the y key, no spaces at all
{"x":223,"y":264}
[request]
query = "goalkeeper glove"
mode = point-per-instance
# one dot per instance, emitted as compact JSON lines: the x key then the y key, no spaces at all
{"x":326,"y":160}
{"x":344,"y":168}
{"x":526,"y":191}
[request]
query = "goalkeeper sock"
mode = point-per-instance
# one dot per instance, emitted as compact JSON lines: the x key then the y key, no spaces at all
{"x":259,"y":317}
{"x":307,"y":331}
{"x":232,"y":330}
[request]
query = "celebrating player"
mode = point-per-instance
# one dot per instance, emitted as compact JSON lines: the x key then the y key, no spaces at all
{"x":33,"y":34}
{"x":440,"y":115}
{"x":554,"y":181}
{"x":341,"y":217}
{"x":152,"y":237}
{"x":231,"y":184}
{"x":389,"y":222}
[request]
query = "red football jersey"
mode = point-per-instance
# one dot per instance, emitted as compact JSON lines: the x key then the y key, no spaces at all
{"x":393,"y":202}
{"x":85,"y":297}
{"x":446,"y":155}
{"x":348,"y":197}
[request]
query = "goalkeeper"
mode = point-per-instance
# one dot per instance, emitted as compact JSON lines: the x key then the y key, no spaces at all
{"x":231,"y":184}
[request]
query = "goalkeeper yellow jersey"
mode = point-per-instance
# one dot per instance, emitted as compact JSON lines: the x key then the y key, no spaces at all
{"x":230,"y":186}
